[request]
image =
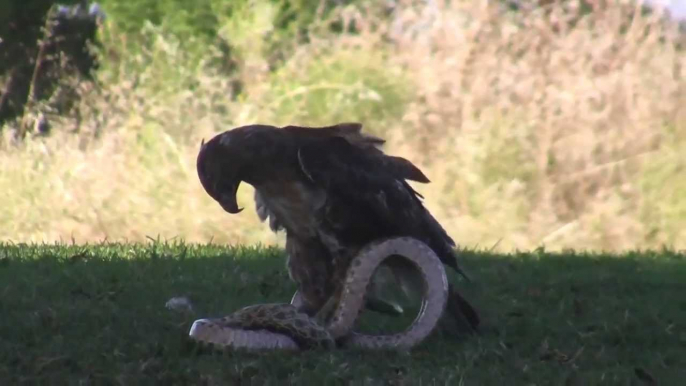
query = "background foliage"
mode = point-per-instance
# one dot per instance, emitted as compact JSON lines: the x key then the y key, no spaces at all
{"x":560,"y":125}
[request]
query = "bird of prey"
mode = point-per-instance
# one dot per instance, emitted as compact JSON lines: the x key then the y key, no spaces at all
{"x":333,"y":190}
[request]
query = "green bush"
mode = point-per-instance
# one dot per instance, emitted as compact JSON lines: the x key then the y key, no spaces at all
{"x":351,"y":85}
{"x":203,"y":18}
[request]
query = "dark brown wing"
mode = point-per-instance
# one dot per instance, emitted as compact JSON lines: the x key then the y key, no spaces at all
{"x":368,"y":194}
{"x":352,"y":132}
{"x":368,"y":144}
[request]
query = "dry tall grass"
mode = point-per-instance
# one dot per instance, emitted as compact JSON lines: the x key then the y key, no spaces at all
{"x":540,"y":128}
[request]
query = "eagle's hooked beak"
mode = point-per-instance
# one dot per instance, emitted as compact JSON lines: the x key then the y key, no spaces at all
{"x":229,"y":202}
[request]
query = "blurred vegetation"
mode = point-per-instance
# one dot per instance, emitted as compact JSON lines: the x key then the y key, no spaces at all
{"x":558,"y":125}
{"x":199,"y":29}
{"x":199,"y":19}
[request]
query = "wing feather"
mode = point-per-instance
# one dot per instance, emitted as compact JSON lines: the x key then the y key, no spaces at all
{"x":351,"y":132}
{"x":374,"y":185}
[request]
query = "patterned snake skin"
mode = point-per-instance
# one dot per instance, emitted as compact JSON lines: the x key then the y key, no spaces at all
{"x":282,"y":326}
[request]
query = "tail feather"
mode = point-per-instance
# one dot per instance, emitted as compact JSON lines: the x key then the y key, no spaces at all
{"x":456,"y":301}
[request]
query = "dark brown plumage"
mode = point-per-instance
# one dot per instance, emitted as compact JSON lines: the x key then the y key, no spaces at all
{"x":332,"y":190}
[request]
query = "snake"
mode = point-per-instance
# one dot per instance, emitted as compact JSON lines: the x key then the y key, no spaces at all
{"x":282,"y":326}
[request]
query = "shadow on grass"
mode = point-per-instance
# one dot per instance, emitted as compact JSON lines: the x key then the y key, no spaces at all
{"x":97,"y":314}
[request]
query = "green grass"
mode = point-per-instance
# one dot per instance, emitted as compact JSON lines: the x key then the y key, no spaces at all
{"x":96,"y":315}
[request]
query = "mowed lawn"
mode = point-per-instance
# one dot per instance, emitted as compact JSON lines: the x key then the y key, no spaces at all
{"x":83,"y":315}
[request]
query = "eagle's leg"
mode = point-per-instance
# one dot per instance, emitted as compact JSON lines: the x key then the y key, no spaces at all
{"x":327,"y":309}
{"x":311,"y":274}
{"x":335,"y":282}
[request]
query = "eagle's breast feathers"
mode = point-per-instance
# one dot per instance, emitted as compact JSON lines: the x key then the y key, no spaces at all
{"x":291,"y":205}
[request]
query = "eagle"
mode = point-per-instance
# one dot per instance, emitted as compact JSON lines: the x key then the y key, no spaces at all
{"x":332,"y":190}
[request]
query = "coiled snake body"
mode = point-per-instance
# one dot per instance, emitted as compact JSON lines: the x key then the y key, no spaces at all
{"x":283,"y":326}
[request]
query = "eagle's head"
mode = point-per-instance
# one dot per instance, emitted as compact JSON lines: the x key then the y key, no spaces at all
{"x":230,"y":158}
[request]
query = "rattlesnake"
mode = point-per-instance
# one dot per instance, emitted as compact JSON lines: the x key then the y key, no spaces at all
{"x":283,"y":326}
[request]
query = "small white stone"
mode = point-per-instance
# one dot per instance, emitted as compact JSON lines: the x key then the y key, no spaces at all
{"x":179,"y":304}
